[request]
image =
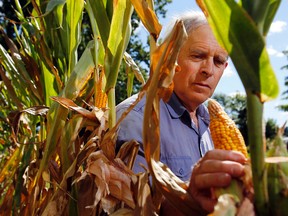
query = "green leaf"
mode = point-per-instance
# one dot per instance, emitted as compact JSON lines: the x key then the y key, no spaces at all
{"x":74,"y":20}
{"x":256,"y":9}
{"x":54,"y":3}
{"x":272,"y":9}
{"x":119,"y":37}
{"x":262,"y":12}
{"x":235,"y":30}
{"x":118,"y":40}
{"x":103,"y":21}
{"x":48,"y":82}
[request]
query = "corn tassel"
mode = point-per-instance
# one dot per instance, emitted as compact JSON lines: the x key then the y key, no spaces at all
{"x":224,"y":132}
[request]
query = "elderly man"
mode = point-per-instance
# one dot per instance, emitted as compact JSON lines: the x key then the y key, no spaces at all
{"x":186,"y":145}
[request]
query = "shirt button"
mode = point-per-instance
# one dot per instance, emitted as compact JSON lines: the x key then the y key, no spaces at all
{"x":181,"y":171}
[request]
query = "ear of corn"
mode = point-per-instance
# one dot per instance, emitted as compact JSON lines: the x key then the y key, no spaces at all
{"x":224,"y":132}
{"x":226,"y":135}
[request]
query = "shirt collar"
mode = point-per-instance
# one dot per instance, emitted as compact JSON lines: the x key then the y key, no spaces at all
{"x":176,"y":109}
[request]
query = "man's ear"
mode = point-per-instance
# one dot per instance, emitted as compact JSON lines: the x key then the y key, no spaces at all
{"x":177,"y":68}
{"x":226,"y":64}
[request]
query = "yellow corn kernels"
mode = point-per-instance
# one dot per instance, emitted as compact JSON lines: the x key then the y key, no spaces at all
{"x":224,"y":132}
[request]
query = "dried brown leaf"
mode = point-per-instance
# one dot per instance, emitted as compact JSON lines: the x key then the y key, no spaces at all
{"x":111,"y":177}
{"x":61,"y":195}
{"x":164,"y":61}
{"x":161,"y":86}
{"x":107,"y":144}
{"x":69,"y":104}
{"x":142,"y":195}
{"x":87,"y":190}
{"x":174,"y":189}
{"x":109,"y":204}
{"x":148,"y":17}
{"x":128,"y":153}
{"x":123,"y":212}
{"x":56,"y":207}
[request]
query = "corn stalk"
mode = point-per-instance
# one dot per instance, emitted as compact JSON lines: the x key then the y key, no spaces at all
{"x":241,"y":28}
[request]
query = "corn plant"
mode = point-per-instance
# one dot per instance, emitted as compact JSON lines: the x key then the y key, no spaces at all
{"x":241,"y":28}
{"x":59,"y":103}
{"x":61,"y":157}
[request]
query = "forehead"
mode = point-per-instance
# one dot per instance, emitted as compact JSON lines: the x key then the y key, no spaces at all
{"x":202,"y":38}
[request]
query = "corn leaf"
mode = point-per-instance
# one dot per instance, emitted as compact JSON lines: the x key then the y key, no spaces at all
{"x":74,"y":20}
{"x":262,"y":12}
{"x":54,"y":3}
{"x":132,"y":70}
{"x":235,"y":30}
{"x":11,"y":164}
{"x":271,"y":12}
{"x":118,"y":40}
{"x":78,"y":79}
{"x":59,"y":200}
{"x":102,"y":19}
{"x":148,"y":17}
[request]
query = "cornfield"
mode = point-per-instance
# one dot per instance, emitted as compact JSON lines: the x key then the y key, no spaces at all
{"x":58,"y":117}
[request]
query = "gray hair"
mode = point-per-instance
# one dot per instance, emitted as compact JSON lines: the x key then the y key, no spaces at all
{"x":191,"y":20}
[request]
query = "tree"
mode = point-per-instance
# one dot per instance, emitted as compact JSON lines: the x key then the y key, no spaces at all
{"x":8,"y":17}
{"x":271,"y":128}
{"x":284,"y":107}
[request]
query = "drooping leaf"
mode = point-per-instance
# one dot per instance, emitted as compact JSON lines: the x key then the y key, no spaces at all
{"x":60,"y":197}
{"x":148,"y":17}
{"x":132,"y":70}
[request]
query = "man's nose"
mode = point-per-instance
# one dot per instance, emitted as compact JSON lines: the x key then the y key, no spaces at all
{"x":207,"y":67}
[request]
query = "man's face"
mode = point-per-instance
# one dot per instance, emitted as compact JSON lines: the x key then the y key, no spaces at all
{"x":202,"y":61}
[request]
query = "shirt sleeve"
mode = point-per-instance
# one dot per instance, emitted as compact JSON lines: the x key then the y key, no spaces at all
{"x":131,"y":128}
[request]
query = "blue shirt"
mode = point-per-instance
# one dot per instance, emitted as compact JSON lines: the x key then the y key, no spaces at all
{"x":182,"y":144}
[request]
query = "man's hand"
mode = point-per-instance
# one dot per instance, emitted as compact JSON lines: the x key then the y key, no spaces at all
{"x":215,"y":169}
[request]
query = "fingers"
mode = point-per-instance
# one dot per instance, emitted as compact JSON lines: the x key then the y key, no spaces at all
{"x":207,"y":203}
{"x":219,"y":154}
{"x":215,"y":169}
{"x":209,"y":180}
{"x":235,"y":169}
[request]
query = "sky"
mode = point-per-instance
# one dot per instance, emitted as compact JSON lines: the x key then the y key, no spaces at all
{"x":276,"y":42}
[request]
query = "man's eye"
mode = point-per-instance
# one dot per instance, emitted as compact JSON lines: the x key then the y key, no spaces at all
{"x":197,"y":56}
{"x":219,"y":62}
